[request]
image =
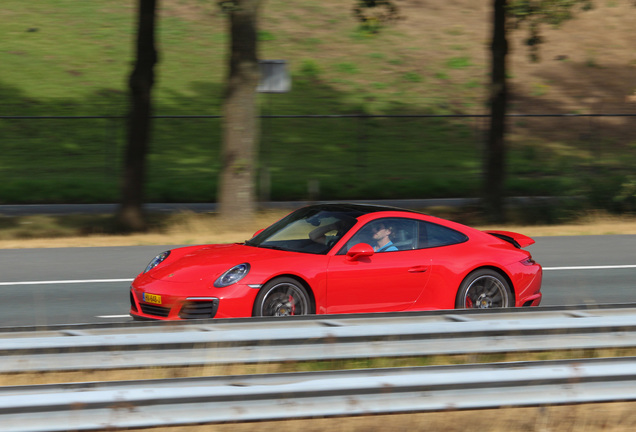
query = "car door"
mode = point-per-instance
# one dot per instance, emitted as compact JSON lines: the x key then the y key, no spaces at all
{"x":378,"y":281}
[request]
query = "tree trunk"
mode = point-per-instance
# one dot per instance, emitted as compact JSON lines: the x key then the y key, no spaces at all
{"x":130,"y":215}
{"x":237,"y":197}
{"x":495,"y":154}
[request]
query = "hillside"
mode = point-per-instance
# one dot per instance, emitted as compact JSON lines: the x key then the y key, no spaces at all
{"x":439,"y":50}
{"x":63,"y":57}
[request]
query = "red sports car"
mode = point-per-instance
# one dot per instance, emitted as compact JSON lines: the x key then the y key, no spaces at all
{"x":341,"y":258}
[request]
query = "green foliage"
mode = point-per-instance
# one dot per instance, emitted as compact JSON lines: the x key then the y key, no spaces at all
{"x":347,"y":68}
{"x":380,"y":86}
{"x":312,"y":42}
{"x":606,"y":190}
{"x":533,"y":14}
{"x":625,"y":199}
{"x":376,"y":55}
{"x":309,"y":69}
{"x":265,"y":36}
{"x":227,"y":6}
{"x":472,"y":84}
{"x":458,"y":62}
{"x":375,"y":14}
{"x":77,"y":66}
{"x":413,"y":77}
{"x":540,"y":89}
{"x":548,"y":11}
{"x":542,"y":211}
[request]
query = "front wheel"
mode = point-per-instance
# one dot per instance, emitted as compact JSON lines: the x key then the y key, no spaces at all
{"x":484,"y":289}
{"x":282,"y":297}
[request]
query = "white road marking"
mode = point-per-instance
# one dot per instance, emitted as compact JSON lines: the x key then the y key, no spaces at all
{"x":66,"y":282}
{"x":591,"y":267}
{"x":112,"y":316}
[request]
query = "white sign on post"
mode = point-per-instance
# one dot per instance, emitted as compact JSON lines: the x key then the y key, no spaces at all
{"x":274,"y":77}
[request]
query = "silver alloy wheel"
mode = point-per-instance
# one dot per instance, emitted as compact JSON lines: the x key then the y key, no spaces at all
{"x":282,"y":298}
{"x":484,"y":292}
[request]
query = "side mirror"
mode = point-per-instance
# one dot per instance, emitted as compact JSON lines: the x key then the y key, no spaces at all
{"x":358,"y":251}
{"x":258,"y":232}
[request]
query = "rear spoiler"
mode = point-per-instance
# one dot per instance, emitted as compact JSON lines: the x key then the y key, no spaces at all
{"x":515,"y":239}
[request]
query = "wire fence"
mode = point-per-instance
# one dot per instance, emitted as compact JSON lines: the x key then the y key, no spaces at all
{"x":354,"y":156}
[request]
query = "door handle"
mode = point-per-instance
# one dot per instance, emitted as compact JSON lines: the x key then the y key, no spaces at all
{"x":418,"y":269}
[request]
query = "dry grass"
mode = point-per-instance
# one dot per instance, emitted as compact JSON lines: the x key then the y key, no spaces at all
{"x":184,"y":228}
{"x":609,"y":417}
{"x":590,"y":224}
{"x":29,"y":378}
{"x":606,"y":417}
{"x":190,"y":228}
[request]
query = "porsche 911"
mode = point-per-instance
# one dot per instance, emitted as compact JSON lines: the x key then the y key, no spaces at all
{"x":341,"y":258}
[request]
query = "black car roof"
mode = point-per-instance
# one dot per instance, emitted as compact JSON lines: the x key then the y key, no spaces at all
{"x":355,"y":210}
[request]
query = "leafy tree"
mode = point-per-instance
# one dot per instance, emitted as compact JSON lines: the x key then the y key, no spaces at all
{"x":495,"y":152}
{"x":374,"y":14}
{"x":534,"y":13}
{"x":237,"y":196}
{"x":130,"y":213}
{"x":519,"y":13}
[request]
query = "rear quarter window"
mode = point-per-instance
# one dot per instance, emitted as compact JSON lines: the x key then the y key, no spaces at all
{"x":433,"y":235}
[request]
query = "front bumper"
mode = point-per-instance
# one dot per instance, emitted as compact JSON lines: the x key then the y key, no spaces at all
{"x":189,"y":308}
{"x":235,"y":301}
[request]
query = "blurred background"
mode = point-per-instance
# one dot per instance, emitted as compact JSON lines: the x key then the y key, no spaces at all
{"x":399,"y":113}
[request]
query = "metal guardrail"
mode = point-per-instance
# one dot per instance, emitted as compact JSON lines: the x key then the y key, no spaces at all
{"x":327,"y":337}
{"x":221,"y":399}
{"x":139,"y":404}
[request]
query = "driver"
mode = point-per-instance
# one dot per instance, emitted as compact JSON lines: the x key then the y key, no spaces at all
{"x":382,"y":234}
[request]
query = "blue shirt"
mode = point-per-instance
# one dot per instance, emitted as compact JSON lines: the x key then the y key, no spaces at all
{"x":386,"y":248}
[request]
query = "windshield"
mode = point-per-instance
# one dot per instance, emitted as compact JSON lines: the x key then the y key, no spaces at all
{"x":310,"y":229}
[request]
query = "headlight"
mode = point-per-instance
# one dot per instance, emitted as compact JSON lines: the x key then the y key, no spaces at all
{"x":233,"y":275}
{"x":157,"y":260}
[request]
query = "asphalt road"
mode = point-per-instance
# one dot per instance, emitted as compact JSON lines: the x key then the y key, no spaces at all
{"x":90,"y":285}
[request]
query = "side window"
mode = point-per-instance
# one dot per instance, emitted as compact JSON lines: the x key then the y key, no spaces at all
{"x":433,"y":235}
{"x":401,"y":233}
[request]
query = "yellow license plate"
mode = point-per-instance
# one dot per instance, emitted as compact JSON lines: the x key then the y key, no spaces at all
{"x":152,"y":298}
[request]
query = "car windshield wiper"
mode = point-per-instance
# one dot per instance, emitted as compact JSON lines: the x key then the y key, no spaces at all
{"x":272,"y":247}
{"x":249,"y":243}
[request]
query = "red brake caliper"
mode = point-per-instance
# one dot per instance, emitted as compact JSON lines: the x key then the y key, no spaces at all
{"x":293,"y":305}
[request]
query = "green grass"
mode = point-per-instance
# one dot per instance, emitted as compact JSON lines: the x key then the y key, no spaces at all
{"x":69,"y":58}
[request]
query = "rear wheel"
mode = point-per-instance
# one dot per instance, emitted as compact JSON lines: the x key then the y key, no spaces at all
{"x":282,"y":297}
{"x":484,"y":289}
